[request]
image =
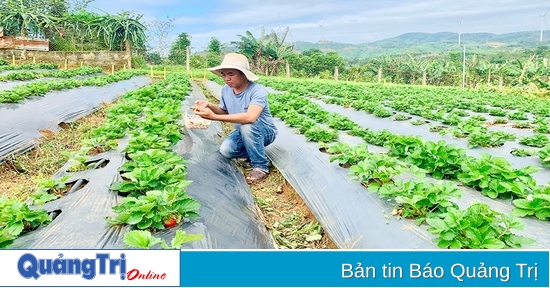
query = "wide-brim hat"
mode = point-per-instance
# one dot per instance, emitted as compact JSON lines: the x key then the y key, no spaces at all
{"x":235,"y":61}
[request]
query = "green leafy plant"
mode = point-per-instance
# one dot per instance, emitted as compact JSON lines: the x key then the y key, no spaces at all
{"x":377,"y":170}
{"x":500,"y":121}
{"x":351,"y":156}
{"x":420,"y":199}
{"x":382,"y":112}
{"x":320,"y":134}
{"x":16,"y":218}
{"x":143,"y":239}
{"x":495,"y":177}
{"x":544,"y":155}
{"x":49,"y":189}
{"x":536,"y":204}
{"x":518,"y":115}
{"x":156,"y":208}
{"x":418,"y":122}
{"x":477,"y":227}
{"x":522,"y":125}
{"x":537,"y":140}
{"x":401,"y":117}
{"x":521,"y":152}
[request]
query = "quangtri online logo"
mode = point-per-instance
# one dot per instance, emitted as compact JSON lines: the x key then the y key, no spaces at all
{"x":112,"y":267}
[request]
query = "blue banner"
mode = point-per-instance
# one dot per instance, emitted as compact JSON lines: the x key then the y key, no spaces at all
{"x":360,"y":268}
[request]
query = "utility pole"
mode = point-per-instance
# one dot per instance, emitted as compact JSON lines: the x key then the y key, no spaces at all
{"x":459,"y":32}
{"x":463,"y":66}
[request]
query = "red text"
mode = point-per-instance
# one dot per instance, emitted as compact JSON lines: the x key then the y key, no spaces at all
{"x":135,"y":274}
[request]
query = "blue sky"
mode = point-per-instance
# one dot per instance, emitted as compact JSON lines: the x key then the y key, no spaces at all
{"x":351,"y":21}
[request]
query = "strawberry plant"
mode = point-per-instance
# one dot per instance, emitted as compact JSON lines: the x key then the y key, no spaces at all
{"x":520,"y":152}
{"x":16,"y":218}
{"x":497,"y":112}
{"x":402,"y":146}
{"x":142,"y":140}
{"x":495,"y":177}
{"x":358,"y":131}
{"x":477,"y":227}
{"x":335,"y":148}
{"x":536,"y":204}
{"x":481,"y":136}
{"x":143,"y":179}
{"x":339,"y":122}
{"x":537,"y":140}
{"x":418,"y":122}
{"x":143,"y":239}
{"x":451,"y":119}
{"x":518,"y":115}
{"x":377,"y":170}
{"x":377,"y":138}
{"x":420,"y":199}
{"x":500,"y":121}
{"x":351,"y":155}
{"x":439,"y":159}
{"x":382,"y":112}
{"x":401,"y":117}
{"x":320,"y":134}
{"x":544,"y":155}
{"x":152,"y":210}
{"x":461,"y":112}
{"x":479,"y":118}
{"x":522,"y":125}
{"x":49,"y":189}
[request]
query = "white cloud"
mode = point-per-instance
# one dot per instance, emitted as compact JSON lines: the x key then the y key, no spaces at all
{"x":352,"y":21}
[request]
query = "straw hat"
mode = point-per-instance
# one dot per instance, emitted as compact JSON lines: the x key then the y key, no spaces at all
{"x":235,"y":61}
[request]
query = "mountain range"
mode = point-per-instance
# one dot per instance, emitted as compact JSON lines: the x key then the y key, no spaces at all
{"x":432,"y":43}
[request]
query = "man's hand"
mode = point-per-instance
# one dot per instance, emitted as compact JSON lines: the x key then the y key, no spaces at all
{"x":206,"y":113}
{"x":201,"y":104}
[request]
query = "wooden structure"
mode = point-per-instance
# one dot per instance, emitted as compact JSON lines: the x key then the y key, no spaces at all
{"x":21,"y":43}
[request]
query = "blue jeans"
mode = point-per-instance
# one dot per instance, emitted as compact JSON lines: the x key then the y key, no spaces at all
{"x":249,"y":141}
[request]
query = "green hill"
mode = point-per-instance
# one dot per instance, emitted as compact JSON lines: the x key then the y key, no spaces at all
{"x":432,"y":43}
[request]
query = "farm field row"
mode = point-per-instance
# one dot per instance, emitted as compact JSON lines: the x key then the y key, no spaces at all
{"x":493,"y":176}
{"x":448,"y":115}
{"x":132,"y":172}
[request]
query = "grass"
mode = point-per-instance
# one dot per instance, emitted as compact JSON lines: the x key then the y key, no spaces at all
{"x":19,"y":171}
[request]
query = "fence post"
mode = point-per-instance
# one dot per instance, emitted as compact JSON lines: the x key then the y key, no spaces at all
{"x":112,"y":68}
{"x":13,"y":59}
{"x":287,"y":69}
{"x":124,"y":67}
{"x":66,"y":63}
{"x":187,"y":60}
{"x":335,"y":73}
{"x":151,"y":66}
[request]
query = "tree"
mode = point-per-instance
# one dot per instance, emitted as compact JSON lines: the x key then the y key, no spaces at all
{"x":178,"y":52}
{"x":80,"y":28}
{"x":158,"y":32}
{"x":29,"y":18}
{"x":153,"y":58}
{"x":123,"y":31}
{"x":267,"y":51}
{"x":214,"y":49}
{"x":214,"y":46}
